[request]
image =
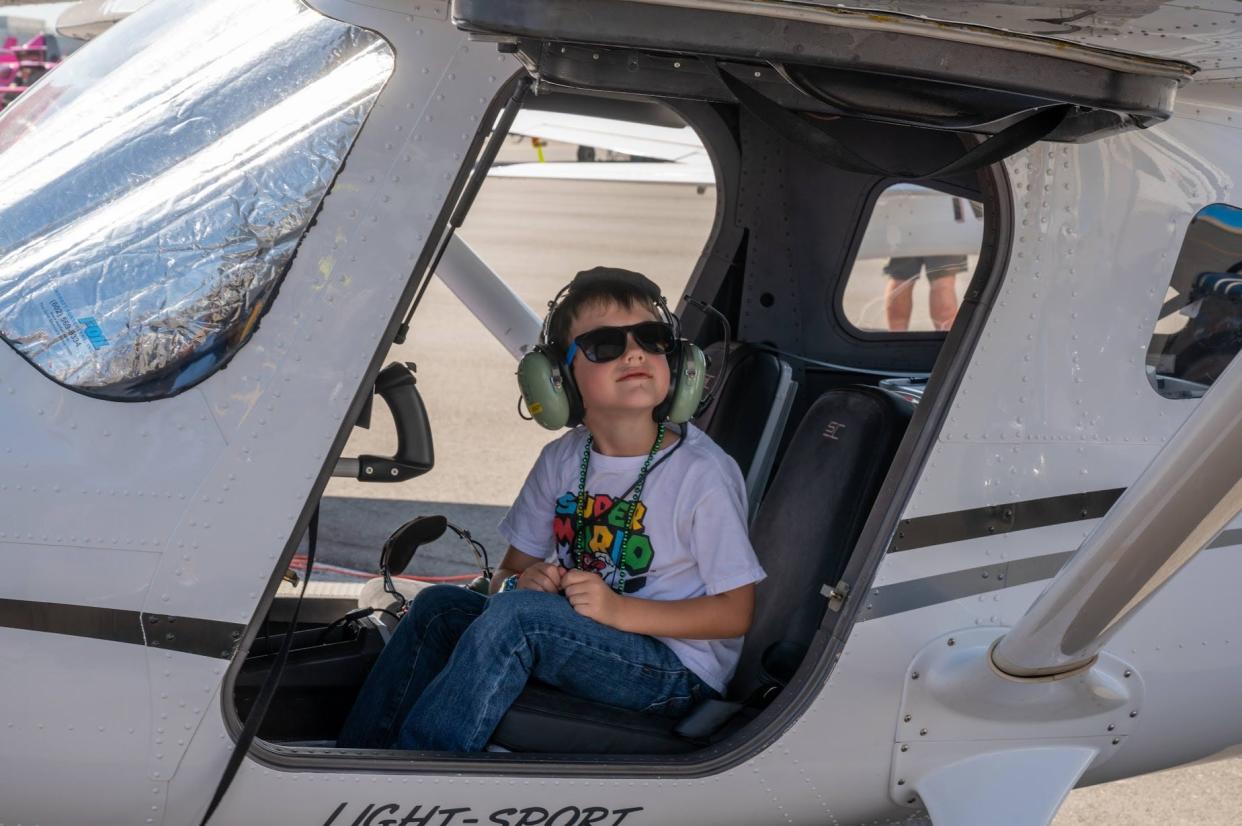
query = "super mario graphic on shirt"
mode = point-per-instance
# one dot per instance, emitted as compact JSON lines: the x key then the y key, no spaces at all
{"x":617,"y":545}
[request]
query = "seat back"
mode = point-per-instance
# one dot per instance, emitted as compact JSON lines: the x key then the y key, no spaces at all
{"x":811,"y":517}
{"x":754,"y":398}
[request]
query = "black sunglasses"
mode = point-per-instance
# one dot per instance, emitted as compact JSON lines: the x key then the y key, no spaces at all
{"x":609,"y":343}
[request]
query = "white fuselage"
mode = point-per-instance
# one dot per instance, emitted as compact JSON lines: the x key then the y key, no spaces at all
{"x":183,"y":507}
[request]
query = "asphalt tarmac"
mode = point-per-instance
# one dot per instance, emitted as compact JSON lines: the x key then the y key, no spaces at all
{"x":537,"y":234}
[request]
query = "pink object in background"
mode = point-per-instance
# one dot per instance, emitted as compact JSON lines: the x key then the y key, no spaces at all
{"x":34,"y":49}
{"x":21,"y":65}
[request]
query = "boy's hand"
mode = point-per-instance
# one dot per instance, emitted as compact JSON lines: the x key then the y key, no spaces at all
{"x":542,"y":576}
{"x":591,"y":597}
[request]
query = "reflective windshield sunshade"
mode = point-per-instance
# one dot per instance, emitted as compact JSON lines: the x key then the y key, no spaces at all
{"x":154,"y":188}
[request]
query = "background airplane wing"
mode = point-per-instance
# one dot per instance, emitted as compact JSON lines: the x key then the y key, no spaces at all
{"x":633,"y":171}
{"x":635,"y":139}
{"x":909,"y":220}
{"x":666,"y":154}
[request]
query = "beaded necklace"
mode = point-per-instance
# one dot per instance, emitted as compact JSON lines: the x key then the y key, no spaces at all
{"x":618,"y":584}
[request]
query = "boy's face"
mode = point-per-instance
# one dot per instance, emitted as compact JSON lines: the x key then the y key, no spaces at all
{"x":637,"y":381}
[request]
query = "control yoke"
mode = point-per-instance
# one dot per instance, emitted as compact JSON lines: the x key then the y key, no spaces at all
{"x":415,"y":455}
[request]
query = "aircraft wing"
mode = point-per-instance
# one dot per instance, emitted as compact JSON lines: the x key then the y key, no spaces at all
{"x":679,"y":156}
{"x":637,"y":139}
{"x":911,"y":220}
{"x":699,"y":174}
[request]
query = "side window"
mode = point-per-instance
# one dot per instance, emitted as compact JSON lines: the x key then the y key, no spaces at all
{"x":919,"y":247}
{"x":138,"y":255}
{"x":1199,"y":329}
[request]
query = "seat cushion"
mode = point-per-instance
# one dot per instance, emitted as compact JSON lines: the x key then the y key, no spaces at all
{"x":545,"y":720}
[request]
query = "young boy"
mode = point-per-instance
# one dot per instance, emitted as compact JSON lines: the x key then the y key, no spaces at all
{"x":629,"y":578}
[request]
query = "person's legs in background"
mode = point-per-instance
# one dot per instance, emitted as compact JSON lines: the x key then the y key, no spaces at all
{"x":942,"y":302}
{"x":902,"y":272}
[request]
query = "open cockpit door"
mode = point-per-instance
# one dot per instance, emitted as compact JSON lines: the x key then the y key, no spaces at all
{"x":832,"y":61}
{"x":216,"y":214}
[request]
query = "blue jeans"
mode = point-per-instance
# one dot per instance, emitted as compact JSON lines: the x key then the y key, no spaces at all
{"x":458,"y":660}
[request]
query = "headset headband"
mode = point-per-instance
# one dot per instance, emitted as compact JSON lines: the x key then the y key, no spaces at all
{"x":602,"y":276}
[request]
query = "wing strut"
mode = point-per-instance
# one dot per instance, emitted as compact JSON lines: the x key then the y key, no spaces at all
{"x":500,"y":129}
{"x":1181,"y":502}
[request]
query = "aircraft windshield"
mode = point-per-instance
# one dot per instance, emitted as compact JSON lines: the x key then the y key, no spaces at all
{"x":156,"y":185}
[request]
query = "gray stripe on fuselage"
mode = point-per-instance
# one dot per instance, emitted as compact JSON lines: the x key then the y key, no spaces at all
{"x":190,"y":635}
{"x":900,"y":597}
{"x":990,"y":520}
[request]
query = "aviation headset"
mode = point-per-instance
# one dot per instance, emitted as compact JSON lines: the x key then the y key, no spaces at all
{"x":546,"y":379}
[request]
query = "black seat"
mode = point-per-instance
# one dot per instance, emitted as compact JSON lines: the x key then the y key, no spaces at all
{"x":811,"y":518}
{"x":805,"y":530}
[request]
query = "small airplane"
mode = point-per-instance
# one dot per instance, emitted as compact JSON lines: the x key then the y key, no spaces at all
{"x":1002,"y":560}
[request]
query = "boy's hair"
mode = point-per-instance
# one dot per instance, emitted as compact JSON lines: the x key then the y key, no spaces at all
{"x":601,"y":286}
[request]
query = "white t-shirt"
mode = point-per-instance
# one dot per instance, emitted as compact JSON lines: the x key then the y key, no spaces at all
{"x":690,"y":536}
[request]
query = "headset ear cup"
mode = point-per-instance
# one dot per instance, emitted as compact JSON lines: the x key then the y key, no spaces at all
{"x":542,"y":383}
{"x":659,"y":413}
{"x":686,"y":384}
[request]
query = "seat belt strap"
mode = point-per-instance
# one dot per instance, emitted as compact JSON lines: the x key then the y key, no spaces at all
{"x":796,"y":130}
{"x":264,"y":699}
